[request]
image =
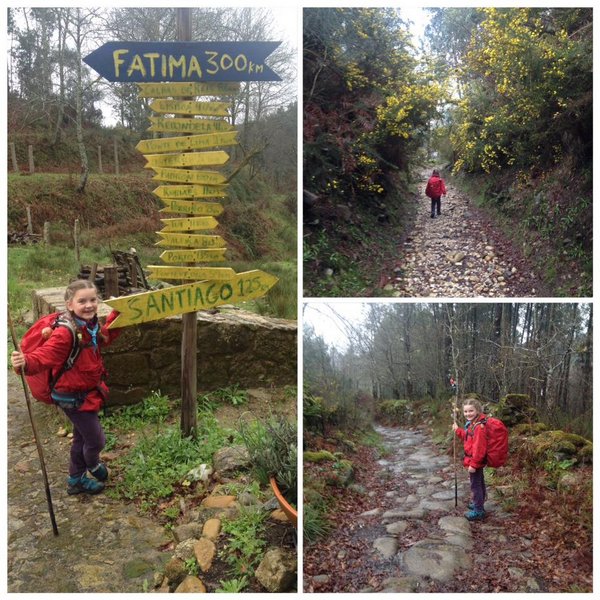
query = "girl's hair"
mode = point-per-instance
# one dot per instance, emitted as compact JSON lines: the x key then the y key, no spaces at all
{"x":474,"y":403}
{"x":75,"y":286}
{"x":435,"y":173}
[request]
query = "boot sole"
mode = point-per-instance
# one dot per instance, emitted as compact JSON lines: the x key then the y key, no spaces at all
{"x":72,"y":491}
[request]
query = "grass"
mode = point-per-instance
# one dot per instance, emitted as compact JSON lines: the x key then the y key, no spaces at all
{"x":158,"y":463}
{"x":245,"y":544}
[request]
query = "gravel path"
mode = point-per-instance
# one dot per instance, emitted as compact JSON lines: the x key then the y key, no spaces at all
{"x":459,"y":254}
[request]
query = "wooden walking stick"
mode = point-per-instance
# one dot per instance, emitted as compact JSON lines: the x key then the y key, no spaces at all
{"x":454,"y":409}
{"x":35,"y":433}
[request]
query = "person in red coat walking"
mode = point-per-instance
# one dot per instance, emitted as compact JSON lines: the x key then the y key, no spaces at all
{"x":475,"y":446}
{"x":81,"y":389}
{"x":436,"y":188}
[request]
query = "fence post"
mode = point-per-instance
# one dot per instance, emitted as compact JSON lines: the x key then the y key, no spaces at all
{"x":111,"y":281}
{"x":30,"y":153}
{"x":47,"y":233}
{"x":100,"y":159}
{"x":76,"y":233}
{"x":13,"y":156}
{"x":116,"y":156}
{"x":29,"y":222}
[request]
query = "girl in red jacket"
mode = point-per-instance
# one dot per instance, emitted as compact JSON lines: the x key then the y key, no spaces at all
{"x":475,"y":445}
{"x":436,"y":188}
{"x":80,"y":391}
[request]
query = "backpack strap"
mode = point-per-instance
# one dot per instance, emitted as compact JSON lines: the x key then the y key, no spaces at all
{"x":65,"y":320}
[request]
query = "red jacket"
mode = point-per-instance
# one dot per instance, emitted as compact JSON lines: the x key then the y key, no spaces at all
{"x":88,"y":371}
{"x":435,"y":187}
{"x":475,"y":443}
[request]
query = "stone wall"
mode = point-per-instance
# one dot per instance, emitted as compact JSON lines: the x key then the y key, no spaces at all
{"x":234,"y":347}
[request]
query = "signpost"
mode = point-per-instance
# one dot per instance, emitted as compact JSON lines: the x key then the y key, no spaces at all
{"x":181,"y":299}
{"x":191,"y":159}
{"x":175,"y":75}
{"x":193,"y":208}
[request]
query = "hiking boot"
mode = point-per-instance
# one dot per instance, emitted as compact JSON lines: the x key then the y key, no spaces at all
{"x":432,"y":215}
{"x":83,"y":485}
{"x":475,"y":515}
{"x":100,"y":472}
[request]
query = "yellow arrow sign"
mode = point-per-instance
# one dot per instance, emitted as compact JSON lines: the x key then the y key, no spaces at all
{"x":181,"y":207}
{"x":158,"y":304}
{"x":185,"y":176}
{"x":188,"y":125}
{"x":190,"y":224}
{"x":166,"y":90}
{"x":190,"y":107}
{"x":191,"y":159}
{"x":192,"y":273}
{"x":190,"y":240}
{"x":204,"y":255}
{"x":189,"y":142}
{"x":175,"y":192}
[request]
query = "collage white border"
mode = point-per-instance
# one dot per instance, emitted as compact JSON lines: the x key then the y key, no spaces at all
{"x":296,"y":8}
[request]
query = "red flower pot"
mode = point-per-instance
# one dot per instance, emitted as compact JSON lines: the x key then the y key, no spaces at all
{"x":288,"y":509}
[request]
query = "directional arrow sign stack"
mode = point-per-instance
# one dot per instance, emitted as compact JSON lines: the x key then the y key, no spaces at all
{"x":187,"y":82}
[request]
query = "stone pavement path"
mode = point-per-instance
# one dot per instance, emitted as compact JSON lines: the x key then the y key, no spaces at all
{"x":457,"y":254}
{"x":424,"y":537}
{"x":103,"y":545}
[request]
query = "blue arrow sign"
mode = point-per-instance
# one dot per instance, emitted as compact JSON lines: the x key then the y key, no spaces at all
{"x":137,"y":62}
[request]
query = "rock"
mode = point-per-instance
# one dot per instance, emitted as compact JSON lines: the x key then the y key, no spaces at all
{"x":279,"y":515}
{"x":386,"y":546}
{"x":455,"y":525}
{"x":248,"y":499}
{"x":397,"y":527}
{"x":200,"y":473}
{"x":211,"y":529}
{"x":317,"y":457}
{"x":187,"y":531}
{"x":371,"y":513}
{"x":438,"y":561}
{"x":321,"y":579}
{"x":403,"y":585}
{"x":175,"y":571}
{"x":233,"y":458}
{"x":204,"y":551}
{"x":185,"y":549}
{"x":189,"y":585}
{"x":218,"y":501}
{"x":277,"y":570}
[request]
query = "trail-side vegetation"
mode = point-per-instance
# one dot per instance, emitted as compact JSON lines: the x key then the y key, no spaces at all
{"x":500,"y":96}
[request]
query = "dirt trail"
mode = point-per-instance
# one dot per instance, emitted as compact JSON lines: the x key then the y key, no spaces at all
{"x":458,"y":254}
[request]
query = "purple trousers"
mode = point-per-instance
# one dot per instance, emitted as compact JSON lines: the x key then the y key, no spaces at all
{"x":88,"y":441}
{"x":478,"y":494}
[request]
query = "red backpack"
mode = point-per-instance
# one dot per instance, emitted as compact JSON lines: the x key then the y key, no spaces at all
{"x":496,"y":435}
{"x":43,"y":382}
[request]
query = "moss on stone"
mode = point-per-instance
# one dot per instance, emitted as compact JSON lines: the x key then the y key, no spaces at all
{"x":556,"y":442}
{"x":317,"y":457}
{"x":529,"y":429}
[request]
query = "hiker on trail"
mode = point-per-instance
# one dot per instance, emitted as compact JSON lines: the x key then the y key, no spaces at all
{"x":80,"y":391}
{"x":435,"y":189}
{"x":475,"y":445}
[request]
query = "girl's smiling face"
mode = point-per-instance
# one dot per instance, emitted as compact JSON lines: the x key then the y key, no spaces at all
{"x":470,"y":412}
{"x":84,"y":304}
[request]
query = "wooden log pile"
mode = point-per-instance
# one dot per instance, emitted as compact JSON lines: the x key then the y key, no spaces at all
{"x":23,"y":237}
{"x":122,"y":278}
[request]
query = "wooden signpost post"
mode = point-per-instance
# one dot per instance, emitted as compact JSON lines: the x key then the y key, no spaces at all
{"x":181,"y":77}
